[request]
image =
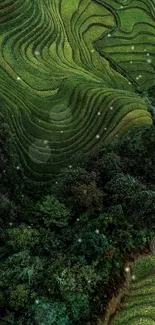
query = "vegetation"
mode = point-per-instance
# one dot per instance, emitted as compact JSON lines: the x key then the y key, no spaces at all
{"x":138,"y":308}
{"x":64,"y":96}
{"x":77,"y":139}
{"x":63,"y":247}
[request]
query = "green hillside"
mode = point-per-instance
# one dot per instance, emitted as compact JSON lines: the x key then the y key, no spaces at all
{"x":139,"y":307}
{"x":68,"y":75}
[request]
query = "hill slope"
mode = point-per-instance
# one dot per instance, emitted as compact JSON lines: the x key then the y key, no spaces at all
{"x":65,"y":79}
{"x":139,"y":307}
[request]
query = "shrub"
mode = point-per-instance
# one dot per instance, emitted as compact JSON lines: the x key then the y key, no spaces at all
{"x":21,"y":298}
{"x":48,"y":312}
{"x":53,"y":212}
{"x":79,"y":306}
{"x":22,"y":237}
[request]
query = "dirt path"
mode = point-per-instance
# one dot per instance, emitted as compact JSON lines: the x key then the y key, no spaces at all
{"x":140,"y":282}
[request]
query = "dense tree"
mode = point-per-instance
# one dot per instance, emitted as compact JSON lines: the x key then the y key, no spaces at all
{"x":53,"y":212}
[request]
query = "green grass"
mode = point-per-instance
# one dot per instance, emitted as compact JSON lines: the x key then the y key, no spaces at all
{"x":70,"y":70}
{"x":139,"y":307}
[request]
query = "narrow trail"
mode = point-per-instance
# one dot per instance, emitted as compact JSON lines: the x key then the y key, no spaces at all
{"x":135,"y":302}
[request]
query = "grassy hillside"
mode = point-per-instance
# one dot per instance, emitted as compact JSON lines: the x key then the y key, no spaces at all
{"x":139,"y":307}
{"x":68,"y":75}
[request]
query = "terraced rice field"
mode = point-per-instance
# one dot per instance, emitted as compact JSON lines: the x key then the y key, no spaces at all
{"x":139,"y":307}
{"x":68,"y":74}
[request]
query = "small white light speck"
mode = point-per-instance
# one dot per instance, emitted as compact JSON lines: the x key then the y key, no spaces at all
{"x":18,"y":78}
{"x":130,"y":61}
{"x":105,"y":129}
{"x":133,"y":277}
{"x":111,"y":108}
{"x":79,"y":240}
{"x":149,"y":61}
{"x":36,"y":52}
{"x":45,"y":141}
{"x":148,"y":54}
{"x":77,"y":219}
{"x":98,"y":113}
{"x":127,"y":269}
{"x":97,"y":231}
{"x":10,"y":223}
{"x":37,"y":301}
{"x":62,"y":131}
{"x":17,"y":167}
{"x":97,"y":136}
{"x":92,"y":50}
{"x":109,"y":35}
{"x":70,"y":166}
{"x":132,"y":47}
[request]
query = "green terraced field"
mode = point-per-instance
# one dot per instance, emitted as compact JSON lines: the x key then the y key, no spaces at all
{"x":139,"y":307}
{"x":68,"y":74}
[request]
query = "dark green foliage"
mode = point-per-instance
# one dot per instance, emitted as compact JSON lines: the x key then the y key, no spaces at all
{"x":53,"y":212}
{"x":141,"y":208}
{"x":121,"y":186}
{"x":92,"y":245}
{"x":20,"y":297}
{"x":79,"y":306}
{"x":62,"y":251}
{"x":23,"y":237}
{"x":48,"y":312}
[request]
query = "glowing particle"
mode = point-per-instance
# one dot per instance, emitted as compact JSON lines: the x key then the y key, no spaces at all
{"x":97,"y":231}
{"x":37,"y":52}
{"x":97,"y":136}
{"x":18,"y":78}
{"x":79,"y":240}
{"x":133,"y":47}
{"x":127,"y":269}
